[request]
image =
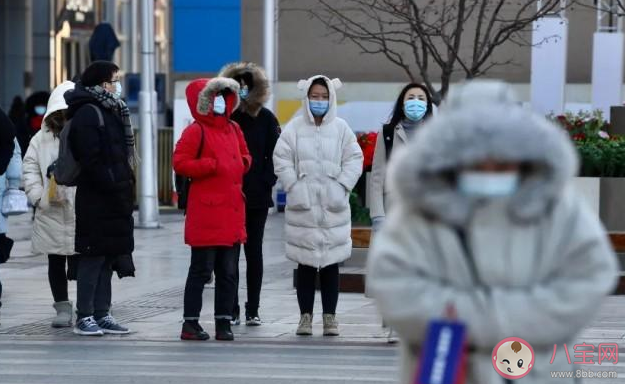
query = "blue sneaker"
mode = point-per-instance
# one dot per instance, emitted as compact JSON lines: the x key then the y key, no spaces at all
{"x":87,"y":326}
{"x":108,"y":324}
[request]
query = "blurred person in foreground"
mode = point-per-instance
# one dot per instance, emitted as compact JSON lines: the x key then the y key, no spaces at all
{"x":487,"y":220}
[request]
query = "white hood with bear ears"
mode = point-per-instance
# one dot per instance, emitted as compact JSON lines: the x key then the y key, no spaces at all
{"x":333,"y":85}
{"x":476,"y":126}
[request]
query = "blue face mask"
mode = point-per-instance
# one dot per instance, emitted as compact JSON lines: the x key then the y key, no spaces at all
{"x":243,"y":93}
{"x":319,"y":107}
{"x":40,"y":110}
{"x":219,"y":105}
{"x":415,"y":109}
{"x":118,"y":89}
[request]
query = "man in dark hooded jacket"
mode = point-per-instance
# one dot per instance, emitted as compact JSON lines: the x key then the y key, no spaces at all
{"x":101,"y":139}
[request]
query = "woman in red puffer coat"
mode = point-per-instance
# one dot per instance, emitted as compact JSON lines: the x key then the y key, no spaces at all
{"x":215,"y":221}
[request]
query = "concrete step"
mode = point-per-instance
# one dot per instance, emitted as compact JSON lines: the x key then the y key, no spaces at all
{"x":358,"y":258}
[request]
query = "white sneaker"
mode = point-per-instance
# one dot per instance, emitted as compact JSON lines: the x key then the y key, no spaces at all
{"x":305,"y":325}
{"x":330,"y":325}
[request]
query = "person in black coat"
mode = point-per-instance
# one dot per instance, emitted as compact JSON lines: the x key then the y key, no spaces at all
{"x":28,"y":117}
{"x":7,"y":144}
{"x":261,"y":130}
{"x":102,"y":141}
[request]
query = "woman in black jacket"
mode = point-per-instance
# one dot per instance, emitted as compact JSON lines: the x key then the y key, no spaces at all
{"x":261,"y":130}
{"x":101,"y":139}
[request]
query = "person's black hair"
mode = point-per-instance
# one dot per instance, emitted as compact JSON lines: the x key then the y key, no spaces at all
{"x":398,"y":111}
{"x":248,"y":78}
{"x":319,"y":81}
{"x":98,"y":72}
{"x":37,"y":98}
{"x":17,"y":112}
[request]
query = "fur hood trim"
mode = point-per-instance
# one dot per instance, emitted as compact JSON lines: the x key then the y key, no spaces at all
{"x":213,"y":86}
{"x":424,"y":171}
{"x":260,"y":92}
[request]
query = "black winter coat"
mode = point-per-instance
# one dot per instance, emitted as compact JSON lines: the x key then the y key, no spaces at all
{"x":261,"y":134}
{"x":106,"y":185}
{"x":7,"y":143}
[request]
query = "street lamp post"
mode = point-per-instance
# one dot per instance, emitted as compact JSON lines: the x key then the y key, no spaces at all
{"x":269,"y":49}
{"x":148,"y":197}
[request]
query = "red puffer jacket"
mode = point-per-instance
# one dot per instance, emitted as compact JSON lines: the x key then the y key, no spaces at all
{"x":216,"y":204}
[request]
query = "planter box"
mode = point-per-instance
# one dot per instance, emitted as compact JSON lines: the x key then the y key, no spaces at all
{"x":605,"y":196}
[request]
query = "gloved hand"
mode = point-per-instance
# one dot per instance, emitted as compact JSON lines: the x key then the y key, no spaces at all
{"x":50,"y":169}
{"x":376,"y":223}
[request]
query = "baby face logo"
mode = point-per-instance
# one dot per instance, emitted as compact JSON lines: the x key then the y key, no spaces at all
{"x":513,"y":358}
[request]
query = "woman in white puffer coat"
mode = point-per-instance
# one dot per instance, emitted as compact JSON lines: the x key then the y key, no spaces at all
{"x":487,"y":220}
{"x":54,"y":226}
{"x":318,"y":162}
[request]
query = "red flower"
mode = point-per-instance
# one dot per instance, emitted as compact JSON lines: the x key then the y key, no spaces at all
{"x":367,"y":145}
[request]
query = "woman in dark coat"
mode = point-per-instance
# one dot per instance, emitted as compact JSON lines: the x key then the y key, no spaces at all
{"x":261,"y":130}
{"x":105,"y":191}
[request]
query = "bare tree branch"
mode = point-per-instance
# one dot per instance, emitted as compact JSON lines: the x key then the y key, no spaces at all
{"x":413,"y":34}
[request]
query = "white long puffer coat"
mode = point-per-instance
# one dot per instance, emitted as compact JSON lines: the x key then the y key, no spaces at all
{"x":318,"y":167}
{"x":535,"y":265}
{"x":55,"y":222}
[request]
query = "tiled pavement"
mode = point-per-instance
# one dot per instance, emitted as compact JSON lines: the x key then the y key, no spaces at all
{"x":151,"y":304}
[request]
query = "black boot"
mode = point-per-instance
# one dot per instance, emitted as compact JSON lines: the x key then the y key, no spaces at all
{"x":192,"y":330}
{"x":222,"y":330}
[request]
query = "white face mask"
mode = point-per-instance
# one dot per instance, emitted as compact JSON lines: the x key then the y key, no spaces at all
{"x":219,"y":105}
{"x":488,"y":184}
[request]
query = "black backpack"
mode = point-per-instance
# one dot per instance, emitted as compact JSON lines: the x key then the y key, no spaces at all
{"x":66,"y":167}
{"x":183,"y":183}
{"x":388,"y":132}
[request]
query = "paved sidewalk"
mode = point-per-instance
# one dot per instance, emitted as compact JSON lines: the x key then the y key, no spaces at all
{"x":151,"y":303}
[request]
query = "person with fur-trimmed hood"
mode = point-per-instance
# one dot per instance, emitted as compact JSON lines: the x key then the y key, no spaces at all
{"x":261,"y":130}
{"x":487,"y":222}
{"x":318,"y":161}
{"x":212,"y":152}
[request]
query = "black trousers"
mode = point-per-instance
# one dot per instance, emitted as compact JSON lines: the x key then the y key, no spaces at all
{"x":205,"y":260}
{"x":94,"y":286}
{"x":255,"y":220}
{"x":329,"y":280}
{"x":58,"y":275}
